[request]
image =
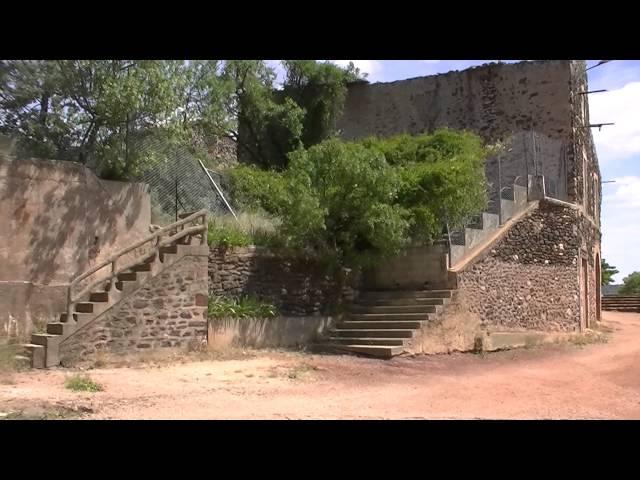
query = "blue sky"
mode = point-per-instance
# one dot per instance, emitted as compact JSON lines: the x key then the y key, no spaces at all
{"x":618,"y":146}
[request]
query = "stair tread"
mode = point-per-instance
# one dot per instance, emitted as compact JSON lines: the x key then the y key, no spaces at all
{"x":379,"y":339}
{"x":374,"y":329}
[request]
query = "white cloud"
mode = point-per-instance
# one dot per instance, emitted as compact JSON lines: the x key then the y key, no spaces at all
{"x":622,"y":140}
{"x":621,"y":225}
{"x":431,"y":61}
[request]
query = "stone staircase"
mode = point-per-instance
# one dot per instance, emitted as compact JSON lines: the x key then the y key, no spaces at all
{"x":464,"y":242}
{"x":621,"y":303}
{"x":382,"y":323}
{"x":167,"y":246}
{"x":407,"y":292}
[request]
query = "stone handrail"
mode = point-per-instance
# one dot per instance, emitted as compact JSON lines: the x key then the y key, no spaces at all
{"x":112,"y":261}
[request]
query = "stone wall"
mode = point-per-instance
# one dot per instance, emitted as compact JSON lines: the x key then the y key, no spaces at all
{"x":168,"y":311}
{"x":530,"y":279}
{"x":296,"y":286}
{"x":535,"y":107}
{"x":58,"y":220}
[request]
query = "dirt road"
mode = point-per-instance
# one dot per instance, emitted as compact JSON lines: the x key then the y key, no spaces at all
{"x":594,"y":381}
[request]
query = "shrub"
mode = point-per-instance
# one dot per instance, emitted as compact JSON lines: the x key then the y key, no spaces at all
{"x":441,"y":178}
{"x":243,"y":307}
{"x":248,"y":229}
{"x":631,"y":285}
{"x":361,"y":201}
{"x":82,"y":383}
{"x":342,"y":200}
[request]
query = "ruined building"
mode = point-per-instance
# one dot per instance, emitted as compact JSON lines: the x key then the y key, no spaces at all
{"x":82,"y":272}
{"x":531,"y":261}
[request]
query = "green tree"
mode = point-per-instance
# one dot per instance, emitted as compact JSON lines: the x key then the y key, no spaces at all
{"x":607,"y":272}
{"x":272,"y":123}
{"x":96,"y":111}
{"x":631,"y":285}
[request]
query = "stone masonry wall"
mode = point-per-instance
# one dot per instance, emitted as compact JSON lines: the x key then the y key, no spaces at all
{"x":168,"y":311}
{"x":297,"y":287}
{"x":529,"y":280}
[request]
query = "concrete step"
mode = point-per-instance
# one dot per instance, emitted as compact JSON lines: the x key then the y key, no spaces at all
{"x":36,"y":353}
{"x":142,"y":267}
{"x":167,"y":258}
{"x":99,"y":297}
{"x":380,"y":324}
{"x":168,"y":249}
{"x":90,"y":307}
{"x":61,"y":328}
{"x":80,"y":318}
{"x":621,"y":304}
{"x":377,"y":332}
{"x":391,"y":316}
{"x":379,"y":351}
{"x":388,"y":294}
{"x":127,"y":276}
{"x":395,"y":308}
{"x":367,"y":341}
{"x":402,"y":302}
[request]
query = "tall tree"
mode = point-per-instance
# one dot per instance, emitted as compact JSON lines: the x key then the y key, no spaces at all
{"x":607,"y":272}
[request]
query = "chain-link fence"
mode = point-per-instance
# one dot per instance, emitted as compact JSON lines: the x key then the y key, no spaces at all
{"x":527,"y":153}
{"x":179,"y":183}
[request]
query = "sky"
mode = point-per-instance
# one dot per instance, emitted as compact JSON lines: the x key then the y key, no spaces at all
{"x":618,"y":146}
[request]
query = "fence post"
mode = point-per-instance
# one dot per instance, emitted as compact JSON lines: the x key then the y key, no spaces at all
{"x":176,"y":199}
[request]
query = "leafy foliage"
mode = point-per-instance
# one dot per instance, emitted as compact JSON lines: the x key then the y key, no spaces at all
{"x":631,"y":284}
{"x":243,"y":307}
{"x":361,"y":201}
{"x":607,"y":272}
{"x":301,"y":114}
{"x":341,"y":201}
{"x":96,"y":111}
{"x":441,"y":178}
{"x":87,"y":110}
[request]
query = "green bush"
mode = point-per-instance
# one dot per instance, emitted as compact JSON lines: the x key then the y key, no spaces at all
{"x":243,"y":307}
{"x":361,"y":201}
{"x":441,"y":178}
{"x":342,"y":199}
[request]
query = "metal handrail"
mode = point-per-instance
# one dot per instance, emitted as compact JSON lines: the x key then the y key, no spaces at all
{"x":113,"y":259}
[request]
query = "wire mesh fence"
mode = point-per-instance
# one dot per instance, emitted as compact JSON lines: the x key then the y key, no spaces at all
{"x":527,"y":153}
{"x":180,"y":184}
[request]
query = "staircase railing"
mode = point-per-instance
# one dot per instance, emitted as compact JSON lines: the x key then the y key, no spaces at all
{"x":163,"y":237}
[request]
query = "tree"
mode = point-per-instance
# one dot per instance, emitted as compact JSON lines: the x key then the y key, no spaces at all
{"x":95,"y":111}
{"x":607,"y":271}
{"x":631,"y":285}
{"x":272,"y":123}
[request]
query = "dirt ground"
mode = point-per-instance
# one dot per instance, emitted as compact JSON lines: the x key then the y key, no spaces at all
{"x":595,"y":381}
